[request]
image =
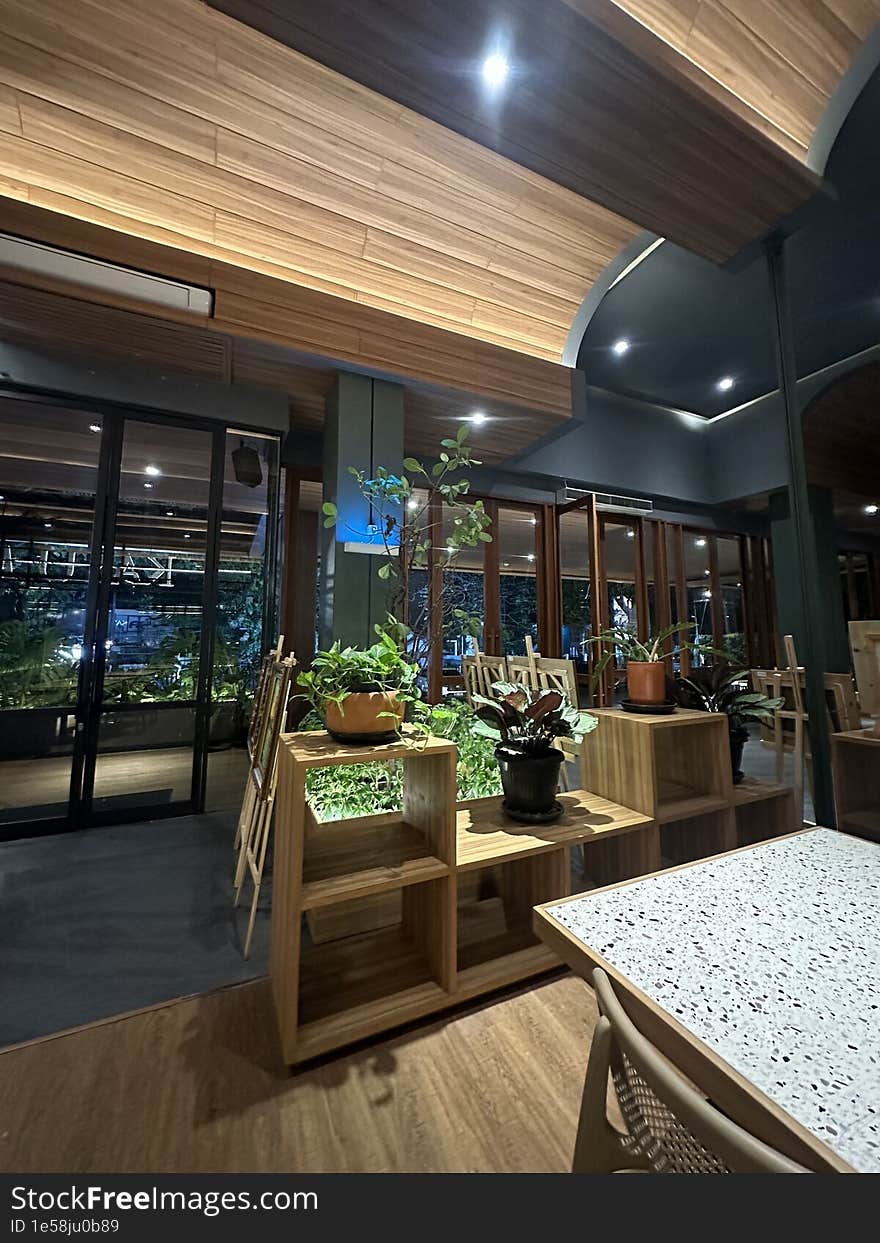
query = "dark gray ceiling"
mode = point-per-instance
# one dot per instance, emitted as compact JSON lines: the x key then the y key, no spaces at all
{"x":689,"y":322}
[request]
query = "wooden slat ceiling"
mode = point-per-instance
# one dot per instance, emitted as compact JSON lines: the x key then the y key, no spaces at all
{"x":192,"y":129}
{"x":840,"y":435}
{"x":596,"y":102}
{"x":35,"y":317}
{"x":782,"y":59}
{"x":307,"y":322}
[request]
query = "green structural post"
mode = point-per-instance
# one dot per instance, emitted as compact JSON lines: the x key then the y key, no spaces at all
{"x":808,"y":602}
{"x":363,"y":428}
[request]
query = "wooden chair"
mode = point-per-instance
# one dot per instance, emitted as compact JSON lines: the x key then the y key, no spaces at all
{"x":670,"y":1127}
{"x":864,"y":642}
{"x":258,"y":805}
{"x":470,"y":672}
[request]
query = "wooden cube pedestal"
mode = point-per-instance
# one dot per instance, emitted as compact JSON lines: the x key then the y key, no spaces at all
{"x":456,"y":884}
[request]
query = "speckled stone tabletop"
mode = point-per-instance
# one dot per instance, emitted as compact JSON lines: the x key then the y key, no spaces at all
{"x":771,"y":957}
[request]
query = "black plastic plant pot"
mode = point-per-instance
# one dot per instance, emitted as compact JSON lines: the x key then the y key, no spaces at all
{"x":530,"y":783}
{"x":738,"y":739}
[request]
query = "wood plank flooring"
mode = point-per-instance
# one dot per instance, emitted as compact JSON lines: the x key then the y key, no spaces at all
{"x":198,"y":1086}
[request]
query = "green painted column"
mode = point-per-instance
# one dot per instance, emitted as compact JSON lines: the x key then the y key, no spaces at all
{"x":363,"y":428}
{"x":832,"y":644}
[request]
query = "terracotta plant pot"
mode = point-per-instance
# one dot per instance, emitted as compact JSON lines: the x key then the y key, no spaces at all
{"x":359,"y":717}
{"x":646,"y":681}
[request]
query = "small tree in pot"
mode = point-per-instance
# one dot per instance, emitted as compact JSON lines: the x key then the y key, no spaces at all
{"x":719,"y":688}
{"x":525,"y":723}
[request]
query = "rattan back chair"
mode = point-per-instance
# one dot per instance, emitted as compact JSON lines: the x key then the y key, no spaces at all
{"x":670,"y":1127}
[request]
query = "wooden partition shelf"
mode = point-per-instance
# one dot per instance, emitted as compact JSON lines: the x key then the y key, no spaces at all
{"x":424,"y":908}
{"x":855,"y":757}
{"x":428,"y":907}
{"x":676,"y":769}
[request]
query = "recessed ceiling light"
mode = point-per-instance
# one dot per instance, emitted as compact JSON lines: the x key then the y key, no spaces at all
{"x":533,"y":520}
{"x":707,"y":595}
{"x":94,"y":427}
{"x":726,"y":383}
{"x":869,"y":509}
{"x":186,"y":535}
{"x":48,"y":526}
{"x":151,"y":470}
{"x":450,"y":549}
{"x":478,"y":418}
{"x":530,"y":556}
{"x":496,"y":68}
{"x":412,"y":504}
{"x":505,"y":564}
{"x":630,"y":535}
{"x":700,"y":543}
{"x":169,"y":513}
{"x":148,"y":485}
{"x":621,"y":346}
{"x":707,"y":572}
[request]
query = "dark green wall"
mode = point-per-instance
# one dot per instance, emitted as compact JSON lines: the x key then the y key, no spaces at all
{"x":830,"y":625}
{"x":364,"y":429}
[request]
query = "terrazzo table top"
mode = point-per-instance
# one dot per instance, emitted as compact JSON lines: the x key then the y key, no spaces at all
{"x":771,"y":957}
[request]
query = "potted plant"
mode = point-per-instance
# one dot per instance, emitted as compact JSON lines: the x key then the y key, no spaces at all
{"x":719,"y":688}
{"x":645,"y":659}
{"x":361,"y":694}
{"x":525,"y":723}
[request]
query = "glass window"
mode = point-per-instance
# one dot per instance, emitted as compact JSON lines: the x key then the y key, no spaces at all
{"x":517,"y":554}
{"x":463,"y":593}
{"x":734,"y":641}
{"x":574,"y":561}
{"x":698,"y":576}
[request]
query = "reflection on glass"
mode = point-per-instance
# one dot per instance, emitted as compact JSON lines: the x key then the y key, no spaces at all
{"x":734,"y":642}
{"x":463,"y":600}
{"x":48,"y":477}
{"x":574,"y":560}
{"x":517,"y":556}
{"x":698,"y":576}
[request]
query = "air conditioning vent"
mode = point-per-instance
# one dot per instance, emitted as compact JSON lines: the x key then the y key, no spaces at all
{"x":609,"y":503}
{"x":66,"y":265}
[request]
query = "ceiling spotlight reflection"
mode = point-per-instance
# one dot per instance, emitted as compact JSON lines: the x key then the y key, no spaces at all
{"x":872,"y":509}
{"x":152,"y":471}
{"x":496,"y":68}
{"x":478,"y":418}
{"x":700,"y":543}
{"x":621,"y":346}
{"x":412,"y":504}
{"x":94,"y":427}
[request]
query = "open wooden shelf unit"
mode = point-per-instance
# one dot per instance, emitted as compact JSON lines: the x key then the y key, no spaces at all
{"x":855,"y":758}
{"x":424,"y":908}
{"x":676,"y":769}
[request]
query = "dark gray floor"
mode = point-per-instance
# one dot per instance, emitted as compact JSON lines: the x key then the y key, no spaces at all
{"x":106,"y":920}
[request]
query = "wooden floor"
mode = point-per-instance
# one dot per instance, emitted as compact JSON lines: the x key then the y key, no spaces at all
{"x":197,"y":1086}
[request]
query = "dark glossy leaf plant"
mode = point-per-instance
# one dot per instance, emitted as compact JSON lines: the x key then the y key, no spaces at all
{"x":719,"y":688}
{"x":529,"y":721}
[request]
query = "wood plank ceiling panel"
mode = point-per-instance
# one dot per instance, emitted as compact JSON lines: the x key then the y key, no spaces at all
{"x":266,"y":309}
{"x":597,"y":102}
{"x":189,"y":127}
{"x":782,"y":58}
{"x":31,"y":317}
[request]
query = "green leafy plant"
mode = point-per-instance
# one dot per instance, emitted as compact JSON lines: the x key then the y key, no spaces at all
{"x":342,"y":671}
{"x":35,"y":670}
{"x":349,"y":790}
{"x":719,"y":688}
{"x":625,"y":642}
{"x":529,"y":721}
{"x":410,"y":524}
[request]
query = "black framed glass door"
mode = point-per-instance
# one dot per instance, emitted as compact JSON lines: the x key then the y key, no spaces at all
{"x":150,"y":644}
{"x":137,"y":583}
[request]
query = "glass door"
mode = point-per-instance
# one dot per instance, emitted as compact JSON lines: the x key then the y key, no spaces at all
{"x":49,"y":488}
{"x":151,"y":641}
